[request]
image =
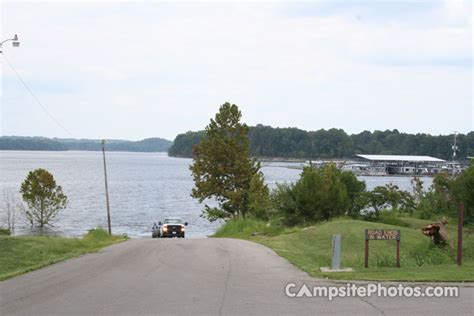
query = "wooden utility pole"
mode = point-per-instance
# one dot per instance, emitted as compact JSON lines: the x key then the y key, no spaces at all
{"x":106,"y":190}
{"x":366,"y":253}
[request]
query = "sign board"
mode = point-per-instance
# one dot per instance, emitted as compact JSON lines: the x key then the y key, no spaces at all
{"x":382,"y":234}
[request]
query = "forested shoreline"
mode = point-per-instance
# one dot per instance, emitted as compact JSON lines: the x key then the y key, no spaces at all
{"x":65,"y":144}
{"x":269,"y":142}
{"x":266,"y":141}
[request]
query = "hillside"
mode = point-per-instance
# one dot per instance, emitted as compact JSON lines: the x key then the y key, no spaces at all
{"x":58,"y":144}
{"x":30,"y":143}
{"x":310,"y":248}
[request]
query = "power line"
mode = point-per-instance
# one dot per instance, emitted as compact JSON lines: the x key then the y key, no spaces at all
{"x":35,"y":98}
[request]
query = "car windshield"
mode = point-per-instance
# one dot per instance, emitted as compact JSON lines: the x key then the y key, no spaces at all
{"x":173,"y":221}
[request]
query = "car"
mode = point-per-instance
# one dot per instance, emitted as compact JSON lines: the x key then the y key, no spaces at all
{"x":171,"y":227}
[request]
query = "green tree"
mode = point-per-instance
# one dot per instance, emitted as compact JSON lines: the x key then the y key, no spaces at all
{"x":223,"y":170}
{"x":441,"y":198}
{"x":438,"y":200}
{"x":390,"y":197}
{"x":445,"y":195}
{"x":463,"y":191}
{"x":43,"y":197}
{"x":355,"y":191}
{"x":259,"y":198}
{"x":377,"y":200}
{"x":418,"y":191}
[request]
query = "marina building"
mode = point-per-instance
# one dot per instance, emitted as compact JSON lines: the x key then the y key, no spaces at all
{"x":394,"y":165}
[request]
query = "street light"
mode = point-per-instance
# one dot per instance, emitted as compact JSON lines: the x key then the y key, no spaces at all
{"x":14,"y":40}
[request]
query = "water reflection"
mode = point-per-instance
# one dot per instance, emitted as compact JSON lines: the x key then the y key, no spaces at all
{"x":47,"y":231}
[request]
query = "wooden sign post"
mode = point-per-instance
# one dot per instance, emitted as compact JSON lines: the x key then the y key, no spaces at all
{"x":381,"y":234}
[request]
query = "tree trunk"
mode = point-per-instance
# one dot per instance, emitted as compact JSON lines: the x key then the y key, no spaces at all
{"x":42,"y":214}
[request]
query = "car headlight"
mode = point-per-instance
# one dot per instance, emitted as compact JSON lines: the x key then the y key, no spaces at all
{"x":183,"y":228}
{"x":165,"y":228}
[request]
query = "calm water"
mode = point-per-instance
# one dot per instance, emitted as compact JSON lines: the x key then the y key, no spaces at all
{"x":143,"y":188}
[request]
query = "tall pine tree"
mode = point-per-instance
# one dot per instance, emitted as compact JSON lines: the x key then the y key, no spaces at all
{"x":223,"y":169}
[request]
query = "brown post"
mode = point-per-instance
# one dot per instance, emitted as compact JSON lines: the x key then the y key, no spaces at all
{"x":398,"y":253}
{"x":460,"y":224}
{"x":366,"y":262}
{"x":106,"y":189}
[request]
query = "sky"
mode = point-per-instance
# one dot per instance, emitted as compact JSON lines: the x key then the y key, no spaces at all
{"x":128,"y":70}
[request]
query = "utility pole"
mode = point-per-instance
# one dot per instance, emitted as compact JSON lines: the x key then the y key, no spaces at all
{"x":106,"y":190}
{"x":455,"y":149}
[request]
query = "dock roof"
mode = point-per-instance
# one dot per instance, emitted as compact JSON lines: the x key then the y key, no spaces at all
{"x":400,"y":158}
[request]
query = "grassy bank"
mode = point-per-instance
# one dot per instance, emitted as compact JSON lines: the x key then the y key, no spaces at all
{"x":310,"y":248}
{"x":22,"y":254}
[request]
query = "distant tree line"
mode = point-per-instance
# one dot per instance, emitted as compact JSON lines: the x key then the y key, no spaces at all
{"x":183,"y":144}
{"x":58,"y":144}
{"x":30,"y":143}
{"x":266,"y":141}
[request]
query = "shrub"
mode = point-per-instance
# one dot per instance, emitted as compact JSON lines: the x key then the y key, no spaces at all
{"x":426,"y":253}
{"x":320,"y":194}
{"x":96,"y":234}
{"x":246,"y":227}
{"x":445,"y":195}
{"x":463,"y":191}
{"x":389,"y":196}
{"x":391,"y":218}
{"x":5,"y":232}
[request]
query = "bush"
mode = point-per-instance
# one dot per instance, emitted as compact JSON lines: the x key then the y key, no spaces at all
{"x":463,"y":191}
{"x":96,"y":234}
{"x":259,"y":205}
{"x":5,"y":232}
{"x":426,"y":253}
{"x":446,"y":194}
{"x":423,"y":254}
{"x":391,"y":218}
{"x":391,"y":197}
{"x":355,"y":190}
{"x":320,"y":194}
{"x":427,"y":208}
{"x":245,"y":227}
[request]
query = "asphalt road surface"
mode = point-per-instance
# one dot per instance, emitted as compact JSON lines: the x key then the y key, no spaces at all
{"x":193,"y":276}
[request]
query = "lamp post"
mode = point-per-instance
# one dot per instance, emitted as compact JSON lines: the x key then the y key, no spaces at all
{"x":14,"y":40}
{"x":15,"y":43}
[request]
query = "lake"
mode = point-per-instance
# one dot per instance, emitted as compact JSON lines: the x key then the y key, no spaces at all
{"x":143,"y":187}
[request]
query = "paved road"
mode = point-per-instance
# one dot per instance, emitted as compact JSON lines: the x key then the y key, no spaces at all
{"x":191,"y":276}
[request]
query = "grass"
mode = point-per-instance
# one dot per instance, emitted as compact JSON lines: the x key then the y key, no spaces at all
{"x":310,"y":248}
{"x":26,"y":253}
